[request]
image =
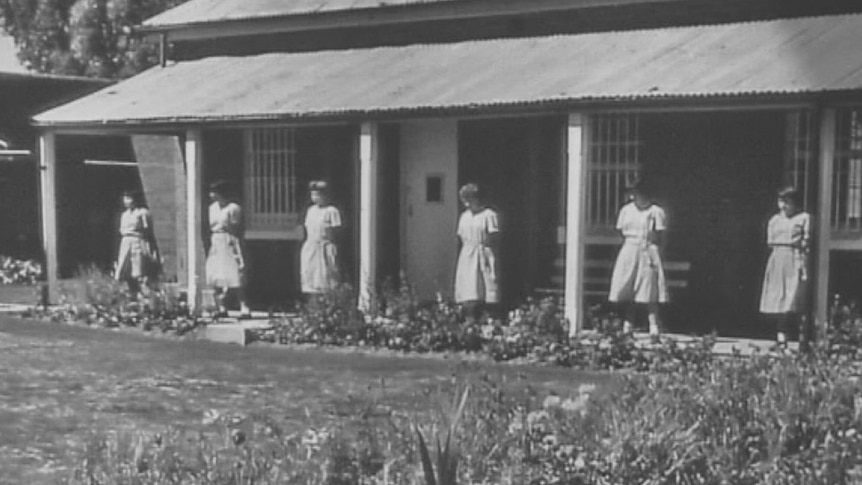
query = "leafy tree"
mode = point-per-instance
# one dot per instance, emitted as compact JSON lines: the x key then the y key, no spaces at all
{"x":82,"y":37}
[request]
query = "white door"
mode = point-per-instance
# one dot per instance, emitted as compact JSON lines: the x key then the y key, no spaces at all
{"x":429,"y":161}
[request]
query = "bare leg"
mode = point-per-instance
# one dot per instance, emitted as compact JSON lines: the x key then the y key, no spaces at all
{"x":628,"y":312}
{"x":471,"y":311}
{"x":805,"y":334}
{"x":244,"y":310}
{"x":134,"y":287}
{"x":781,"y":329}
{"x":654,"y":321}
{"x":219,"y":295}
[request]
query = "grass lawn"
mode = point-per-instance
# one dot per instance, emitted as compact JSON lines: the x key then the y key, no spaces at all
{"x":59,"y":382}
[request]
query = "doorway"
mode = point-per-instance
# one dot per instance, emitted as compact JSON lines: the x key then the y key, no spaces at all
{"x":517,"y":163}
{"x":716,"y":175}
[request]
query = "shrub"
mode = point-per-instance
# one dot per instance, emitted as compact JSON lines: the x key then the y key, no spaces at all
{"x":738,"y":421}
{"x":16,"y":271}
{"x":96,"y":298}
{"x":397,"y":322}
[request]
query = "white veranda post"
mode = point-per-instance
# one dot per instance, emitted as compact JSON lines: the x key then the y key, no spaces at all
{"x":575,"y":204}
{"x":823,"y":223}
{"x":194,"y":203}
{"x":368,"y":173}
{"x":48,"y":181}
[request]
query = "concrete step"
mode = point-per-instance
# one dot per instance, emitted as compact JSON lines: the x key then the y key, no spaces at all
{"x":232,"y":331}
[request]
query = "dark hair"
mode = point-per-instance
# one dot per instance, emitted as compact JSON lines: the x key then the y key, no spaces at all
{"x":790,"y":194}
{"x":470,"y":191}
{"x":136,"y":195}
{"x":637,"y":187}
{"x":318,"y":186}
{"x":220,"y":187}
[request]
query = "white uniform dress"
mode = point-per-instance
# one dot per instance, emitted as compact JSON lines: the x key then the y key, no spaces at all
{"x":476,"y":273}
{"x":135,"y":254}
{"x":319,"y":256}
{"x":785,"y":282}
{"x":225,"y":266}
{"x":638,"y":274}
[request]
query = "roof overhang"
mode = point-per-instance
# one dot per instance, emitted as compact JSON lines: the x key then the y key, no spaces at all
{"x":788,"y":59}
{"x":191,"y":26}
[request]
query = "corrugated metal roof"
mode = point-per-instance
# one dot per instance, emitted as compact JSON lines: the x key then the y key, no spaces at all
{"x":206,"y":11}
{"x":202,"y":11}
{"x":807,"y":55}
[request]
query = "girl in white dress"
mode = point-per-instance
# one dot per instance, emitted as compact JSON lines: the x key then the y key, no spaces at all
{"x":785,"y":281}
{"x":138,"y":257}
{"x":319,"y":256}
{"x":638,"y":278}
{"x":476,"y":286}
{"x":225,"y":266}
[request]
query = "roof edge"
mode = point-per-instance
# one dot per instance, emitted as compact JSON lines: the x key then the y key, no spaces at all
{"x":750,"y":100}
{"x":384,"y":14}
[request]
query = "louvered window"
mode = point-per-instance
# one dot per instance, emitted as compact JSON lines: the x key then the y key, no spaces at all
{"x":614,"y":161}
{"x":270,"y":183}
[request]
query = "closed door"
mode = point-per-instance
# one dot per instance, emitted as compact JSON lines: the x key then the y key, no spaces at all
{"x":429,"y":161}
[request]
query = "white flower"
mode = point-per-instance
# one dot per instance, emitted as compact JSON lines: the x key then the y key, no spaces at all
{"x":586,"y":388}
{"x":535,"y":416}
{"x":551,"y":402}
{"x":576,"y":405}
{"x":580,"y":463}
{"x":211,"y":417}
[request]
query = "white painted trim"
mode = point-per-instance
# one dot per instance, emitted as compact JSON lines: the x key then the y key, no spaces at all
{"x":194,"y":204}
{"x":111,"y":163}
{"x":828,"y":119}
{"x":48,"y":179}
{"x":576,"y":179}
{"x":15,"y":153}
{"x":368,"y":211}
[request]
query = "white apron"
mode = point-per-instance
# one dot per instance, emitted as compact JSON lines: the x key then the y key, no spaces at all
{"x":638,"y":274}
{"x":225,"y":266}
{"x":476,"y":273}
{"x":785,"y":281}
{"x":135,"y":256}
{"x":319,"y":255}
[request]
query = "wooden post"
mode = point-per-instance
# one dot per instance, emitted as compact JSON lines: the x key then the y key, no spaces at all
{"x":368,"y":177}
{"x":48,"y":181}
{"x":826,"y":163}
{"x":576,"y":189}
{"x":194,"y":203}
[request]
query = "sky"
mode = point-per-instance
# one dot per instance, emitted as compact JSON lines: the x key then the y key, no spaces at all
{"x":8,"y":61}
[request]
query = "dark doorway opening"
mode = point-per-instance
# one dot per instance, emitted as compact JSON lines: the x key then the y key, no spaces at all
{"x":516,"y":163}
{"x":716,"y":175}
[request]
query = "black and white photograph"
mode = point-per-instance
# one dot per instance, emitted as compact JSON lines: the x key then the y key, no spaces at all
{"x":431,"y":242}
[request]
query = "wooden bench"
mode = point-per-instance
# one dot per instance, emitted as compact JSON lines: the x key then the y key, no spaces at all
{"x":597,"y":278}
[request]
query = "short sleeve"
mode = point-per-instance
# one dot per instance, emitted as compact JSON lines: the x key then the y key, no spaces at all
{"x":621,"y":218}
{"x":234,"y":215}
{"x":492,"y":224}
{"x":806,"y":229}
{"x":145,"y":218}
{"x":333,"y":217}
{"x":660,"y":218}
